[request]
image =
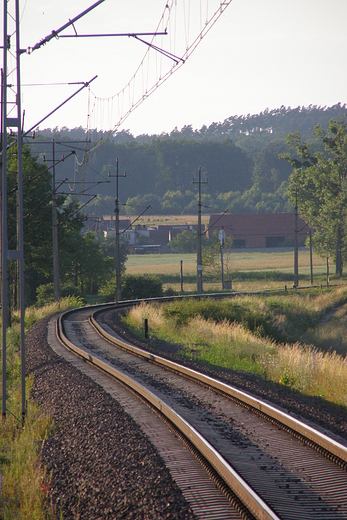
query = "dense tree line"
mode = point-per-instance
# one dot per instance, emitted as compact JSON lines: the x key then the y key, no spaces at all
{"x":160,"y":170}
{"x":78,"y":254}
{"x":239,"y":157}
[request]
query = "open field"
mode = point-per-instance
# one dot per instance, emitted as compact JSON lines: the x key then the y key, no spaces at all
{"x":278,"y":266}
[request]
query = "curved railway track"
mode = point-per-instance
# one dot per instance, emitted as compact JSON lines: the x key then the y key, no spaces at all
{"x":267,"y":463}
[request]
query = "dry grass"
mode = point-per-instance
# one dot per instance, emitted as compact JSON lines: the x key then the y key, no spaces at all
{"x":302,"y":367}
{"x":331,"y":334}
{"x":25,"y":483}
{"x":310,"y":371}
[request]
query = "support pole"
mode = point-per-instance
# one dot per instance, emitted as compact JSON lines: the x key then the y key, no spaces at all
{"x":118,"y":270}
{"x":311,"y":257}
{"x":55,"y":233}
{"x":199,"y":246}
{"x":20,"y":245}
{"x":181,"y":276}
{"x":118,"y":262}
{"x":296,"y":249}
{"x":12,"y":108}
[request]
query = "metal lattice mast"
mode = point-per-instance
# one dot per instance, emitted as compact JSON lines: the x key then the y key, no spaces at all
{"x":199,"y":244}
{"x":118,"y":262}
{"x":11,"y":125}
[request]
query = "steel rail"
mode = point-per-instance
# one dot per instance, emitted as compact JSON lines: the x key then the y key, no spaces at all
{"x":321,"y":441}
{"x":236,"y":483}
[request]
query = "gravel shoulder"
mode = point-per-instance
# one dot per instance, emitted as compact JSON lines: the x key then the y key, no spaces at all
{"x":100,"y":462}
{"x":314,"y":409}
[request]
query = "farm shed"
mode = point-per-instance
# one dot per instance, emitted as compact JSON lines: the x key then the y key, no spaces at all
{"x":260,"y":230}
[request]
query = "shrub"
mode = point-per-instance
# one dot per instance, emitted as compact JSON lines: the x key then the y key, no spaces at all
{"x":70,"y":290}
{"x":45,"y":294}
{"x":136,"y":287}
{"x":109,"y":291}
{"x":170,"y":292}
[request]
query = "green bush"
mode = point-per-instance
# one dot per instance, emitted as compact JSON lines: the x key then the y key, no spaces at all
{"x":45,"y":294}
{"x":134,"y":287}
{"x":140,"y":286}
{"x":170,"y":292}
{"x":70,"y":290}
{"x":108,"y":291}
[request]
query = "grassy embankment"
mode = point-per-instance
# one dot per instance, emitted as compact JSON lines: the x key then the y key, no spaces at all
{"x":248,"y":271}
{"x":23,"y":480}
{"x":282,"y":337}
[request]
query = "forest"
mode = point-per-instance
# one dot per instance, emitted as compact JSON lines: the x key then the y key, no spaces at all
{"x":239,"y":158}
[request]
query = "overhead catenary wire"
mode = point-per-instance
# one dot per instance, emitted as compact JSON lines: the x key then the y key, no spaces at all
{"x":149,"y":86}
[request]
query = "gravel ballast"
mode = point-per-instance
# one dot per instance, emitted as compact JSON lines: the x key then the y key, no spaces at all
{"x":100,"y":462}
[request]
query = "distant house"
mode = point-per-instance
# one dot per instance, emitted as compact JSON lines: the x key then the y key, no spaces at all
{"x":105,"y":224}
{"x":260,"y":230}
{"x":163,"y":234}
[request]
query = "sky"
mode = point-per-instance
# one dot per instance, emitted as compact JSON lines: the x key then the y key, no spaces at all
{"x":260,"y":54}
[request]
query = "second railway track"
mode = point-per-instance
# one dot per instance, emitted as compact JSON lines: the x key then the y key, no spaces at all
{"x":293,"y":480}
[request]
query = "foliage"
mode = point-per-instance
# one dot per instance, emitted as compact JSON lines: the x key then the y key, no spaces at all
{"x":283,"y":317}
{"x":184,"y":242}
{"x":319,"y":187}
{"x":83,"y":264}
{"x":45,"y":293}
{"x":25,"y":482}
{"x":238,"y":155}
{"x":211,"y":256}
{"x":255,"y":318}
{"x":78,"y":255}
{"x":37,"y":211}
{"x":108,"y":247}
{"x":207,"y":333}
{"x":134,"y":287}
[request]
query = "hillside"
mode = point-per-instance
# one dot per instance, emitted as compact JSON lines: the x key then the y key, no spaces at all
{"x":239,"y":158}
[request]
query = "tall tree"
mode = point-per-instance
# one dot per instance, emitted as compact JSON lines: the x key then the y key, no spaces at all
{"x":318,"y":185}
{"x":37,"y":187}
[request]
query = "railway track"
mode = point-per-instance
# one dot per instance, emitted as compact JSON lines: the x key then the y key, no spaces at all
{"x":267,"y":463}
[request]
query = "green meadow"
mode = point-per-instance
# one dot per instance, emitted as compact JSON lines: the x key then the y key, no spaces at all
{"x":247,"y":271}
